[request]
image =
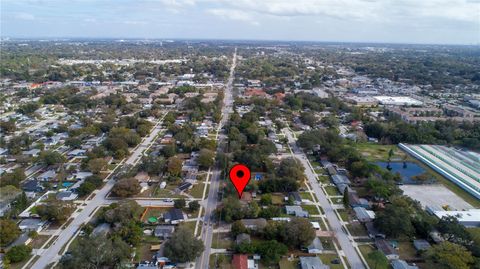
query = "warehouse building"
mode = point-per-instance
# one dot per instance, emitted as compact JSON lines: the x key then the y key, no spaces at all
{"x":459,"y":166}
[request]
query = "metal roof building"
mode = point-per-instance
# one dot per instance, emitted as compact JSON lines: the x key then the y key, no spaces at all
{"x":460,"y":167}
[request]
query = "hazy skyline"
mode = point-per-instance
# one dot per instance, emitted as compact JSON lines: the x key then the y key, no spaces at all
{"x":391,"y":21}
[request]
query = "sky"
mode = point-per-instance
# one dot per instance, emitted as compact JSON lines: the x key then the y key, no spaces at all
{"x":389,"y":21}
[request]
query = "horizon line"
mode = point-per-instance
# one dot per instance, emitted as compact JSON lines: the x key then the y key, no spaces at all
{"x":40,"y":38}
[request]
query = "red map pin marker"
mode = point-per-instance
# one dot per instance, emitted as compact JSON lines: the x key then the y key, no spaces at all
{"x":240,"y":176}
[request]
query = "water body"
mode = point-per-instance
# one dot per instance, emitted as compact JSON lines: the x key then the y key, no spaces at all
{"x":406,"y":170}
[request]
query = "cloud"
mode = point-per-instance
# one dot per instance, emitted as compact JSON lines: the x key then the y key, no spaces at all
{"x":233,"y":14}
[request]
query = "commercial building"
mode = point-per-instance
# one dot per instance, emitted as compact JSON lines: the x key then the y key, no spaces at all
{"x":398,"y":101}
{"x":459,"y":166}
{"x":468,"y":218}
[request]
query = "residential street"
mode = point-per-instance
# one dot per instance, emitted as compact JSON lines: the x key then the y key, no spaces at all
{"x":347,"y":246}
{"x":202,"y":262}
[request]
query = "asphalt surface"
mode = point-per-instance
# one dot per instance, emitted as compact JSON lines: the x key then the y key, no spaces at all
{"x":202,"y":262}
{"x":346,"y":244}
{"x":51,"y":254}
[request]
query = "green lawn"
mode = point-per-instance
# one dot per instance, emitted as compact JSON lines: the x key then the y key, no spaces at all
{"x":221,"y":261}
{"x":166,"y":193}
{"x":155,"y":212}
{"x":306,"y":195}
{"x":277,"y":198}
{"x":406,"y":250}
{"x":357,"y":229}
{"x":328,"y":258}
{"x":327,"y":243}
{"x":365,"y":249}
{"x":343,"y":214}
{"x":286,"y":264}
{"x":324,"y":179}
{"x":311,"y":209}
{"x":39,"y":241}
{"x":190,"y":225}
{"x":332,"y":191}
{"x":197,"y":190}
{"x":221,"y":240}
{"x":376,"y":152}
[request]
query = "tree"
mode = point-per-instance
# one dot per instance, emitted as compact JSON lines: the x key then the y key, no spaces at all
{"x":97,"y":165}
{"x":232,"y":210}
{"x":174,"y":166}
{"x":291,"y":168}
{"x":183,"y":246}
{"x":453,"y":231}
{"x":96,"y":252}
{"x":131,"y":232}
{"x":298,"y":233}
{"x":266,"y":199}
{"x":8,"y":127}
{"x":85,"y":189}
{"x":206,"y":158}
{"x":448,"y":255}
{"x":126,"y":187}
{"x":73,"y":142}
{"x":51,"y":157}
{"x":153,"y":165}
{"x":121,"y":212}
{"x":394,"y":221}
{"x":271,"y":251}
{"x":308,"y":118}
{"x":179,"y":203}
{"x":378,"y":258}
{"x":8,"y":232}
{"x":238,"y":228}
{"x":14,"y":178}
{"x":55,"y":211}
{"x":18,"y":253}
{"x":346,"y":199}
{"x":194,"y":206}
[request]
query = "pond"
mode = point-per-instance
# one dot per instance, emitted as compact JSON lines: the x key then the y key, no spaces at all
{"x":407,"y":170}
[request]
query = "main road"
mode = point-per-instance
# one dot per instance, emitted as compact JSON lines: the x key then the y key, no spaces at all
{"x":210,"y":204}
{"x":51,"y":254}
{"x":347,"y":246}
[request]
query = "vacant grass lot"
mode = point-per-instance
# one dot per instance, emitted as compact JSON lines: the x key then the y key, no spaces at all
{"x":197,"y":190}
{"x":221,"y":240}
{"x":328,"y":258}
{"x":376,"y":152}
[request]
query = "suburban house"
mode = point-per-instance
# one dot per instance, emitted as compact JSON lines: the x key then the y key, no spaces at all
{"x":316,"y":246}
{"x":386,"y":248}
{"x":296,"y":210}
{"x":174,"y":216}
{"x":241,"y":261}
{"x":47,"y":175}
{"x":66,"y":196}
{"x":32,"y":186}
{"x":297,"y":200}
{"x":312,"y":263}
{"x":401,"y":264}
{"x":164,"y":231}
{"x":364,"y":215}
{"x":421,"y":245}
{"x":32,"y":225}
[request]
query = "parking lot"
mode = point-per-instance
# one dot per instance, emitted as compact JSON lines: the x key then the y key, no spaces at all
{"x":435,"y":195}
